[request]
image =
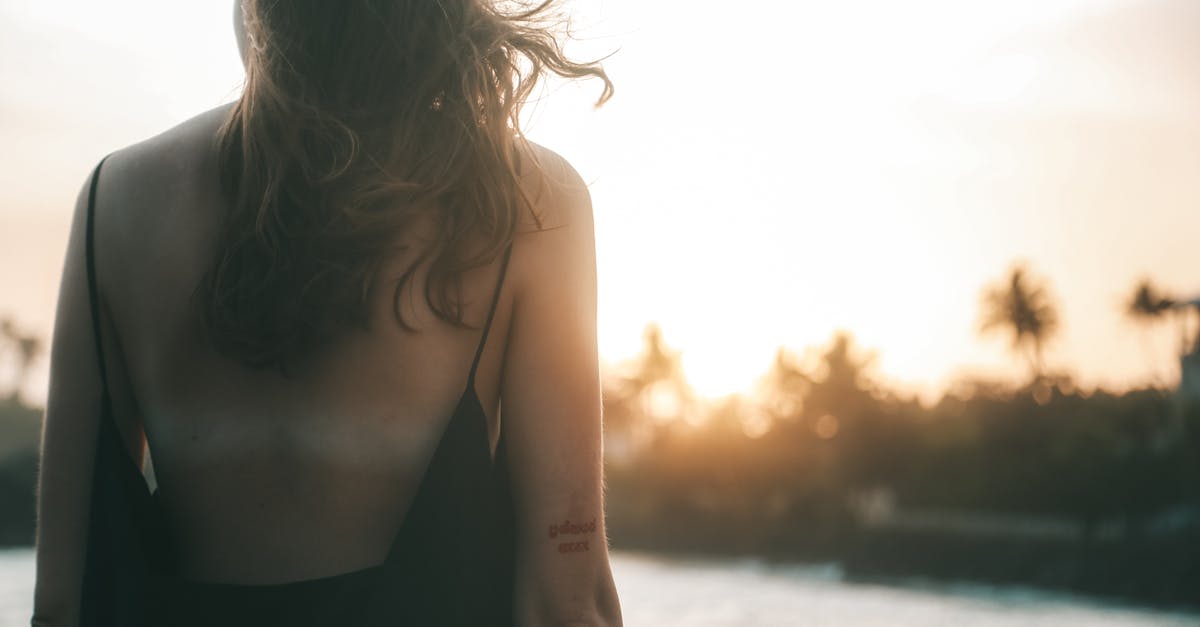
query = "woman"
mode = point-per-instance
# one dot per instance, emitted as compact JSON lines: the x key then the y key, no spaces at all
{"x":278,"y":303}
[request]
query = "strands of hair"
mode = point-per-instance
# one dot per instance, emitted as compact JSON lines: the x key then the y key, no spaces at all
{"x":359,"y":118}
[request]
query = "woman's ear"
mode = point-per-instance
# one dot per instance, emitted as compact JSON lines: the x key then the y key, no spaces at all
{"x":239,"y":29}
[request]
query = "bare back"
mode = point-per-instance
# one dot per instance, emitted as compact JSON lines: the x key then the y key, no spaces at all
{"x":269,"y":478}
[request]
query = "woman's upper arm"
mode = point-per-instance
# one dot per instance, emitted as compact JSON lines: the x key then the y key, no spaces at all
{"x":68,"y":440}
{"x":552,"y":416}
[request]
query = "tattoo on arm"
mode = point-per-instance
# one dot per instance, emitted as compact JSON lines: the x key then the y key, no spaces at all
{"x":568,"y":528}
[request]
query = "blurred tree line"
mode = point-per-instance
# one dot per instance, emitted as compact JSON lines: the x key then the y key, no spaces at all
{"x":816,"y":461}
{"x":797,"y":455}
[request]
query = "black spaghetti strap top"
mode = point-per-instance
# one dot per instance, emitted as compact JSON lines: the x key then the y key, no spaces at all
{"x":450,"y":563}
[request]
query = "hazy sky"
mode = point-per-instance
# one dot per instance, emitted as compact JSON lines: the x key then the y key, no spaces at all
{"x":762,"y":178}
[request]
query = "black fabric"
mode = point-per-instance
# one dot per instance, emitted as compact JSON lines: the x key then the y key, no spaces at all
{"x":451,"y":562}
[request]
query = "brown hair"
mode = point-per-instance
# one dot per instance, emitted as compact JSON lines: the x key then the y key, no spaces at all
{"x":359,"y":117}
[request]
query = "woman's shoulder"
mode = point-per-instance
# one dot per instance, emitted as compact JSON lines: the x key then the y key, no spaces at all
{"x":178,"y":162}
{"x":557,"y":192}
{"x":188,"y":143}
{"x":558,"y":239}
{"x":148,"y":194}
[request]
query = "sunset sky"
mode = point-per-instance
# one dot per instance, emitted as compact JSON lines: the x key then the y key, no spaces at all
{"x":762,"y":178}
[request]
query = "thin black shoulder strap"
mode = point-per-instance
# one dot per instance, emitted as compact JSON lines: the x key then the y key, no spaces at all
{"x":487,"y":326}
{"x":93,"y":290}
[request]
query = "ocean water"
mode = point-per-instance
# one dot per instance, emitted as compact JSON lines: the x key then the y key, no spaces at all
{"x":673,"y":592}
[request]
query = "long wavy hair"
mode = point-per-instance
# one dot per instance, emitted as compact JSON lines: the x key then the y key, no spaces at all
{"x":359,"y":118}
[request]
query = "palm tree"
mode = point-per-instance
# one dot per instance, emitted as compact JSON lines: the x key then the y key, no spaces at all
{"x":784,"y":386}
{"x":658,"y":362}
{"x":1148,"y":302}
{"x":26,"y":348}
{"x":653,"y":383}
{"x":1025,"y":308}
{"x":8,"y":337}
{"x":1149,"y":305}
